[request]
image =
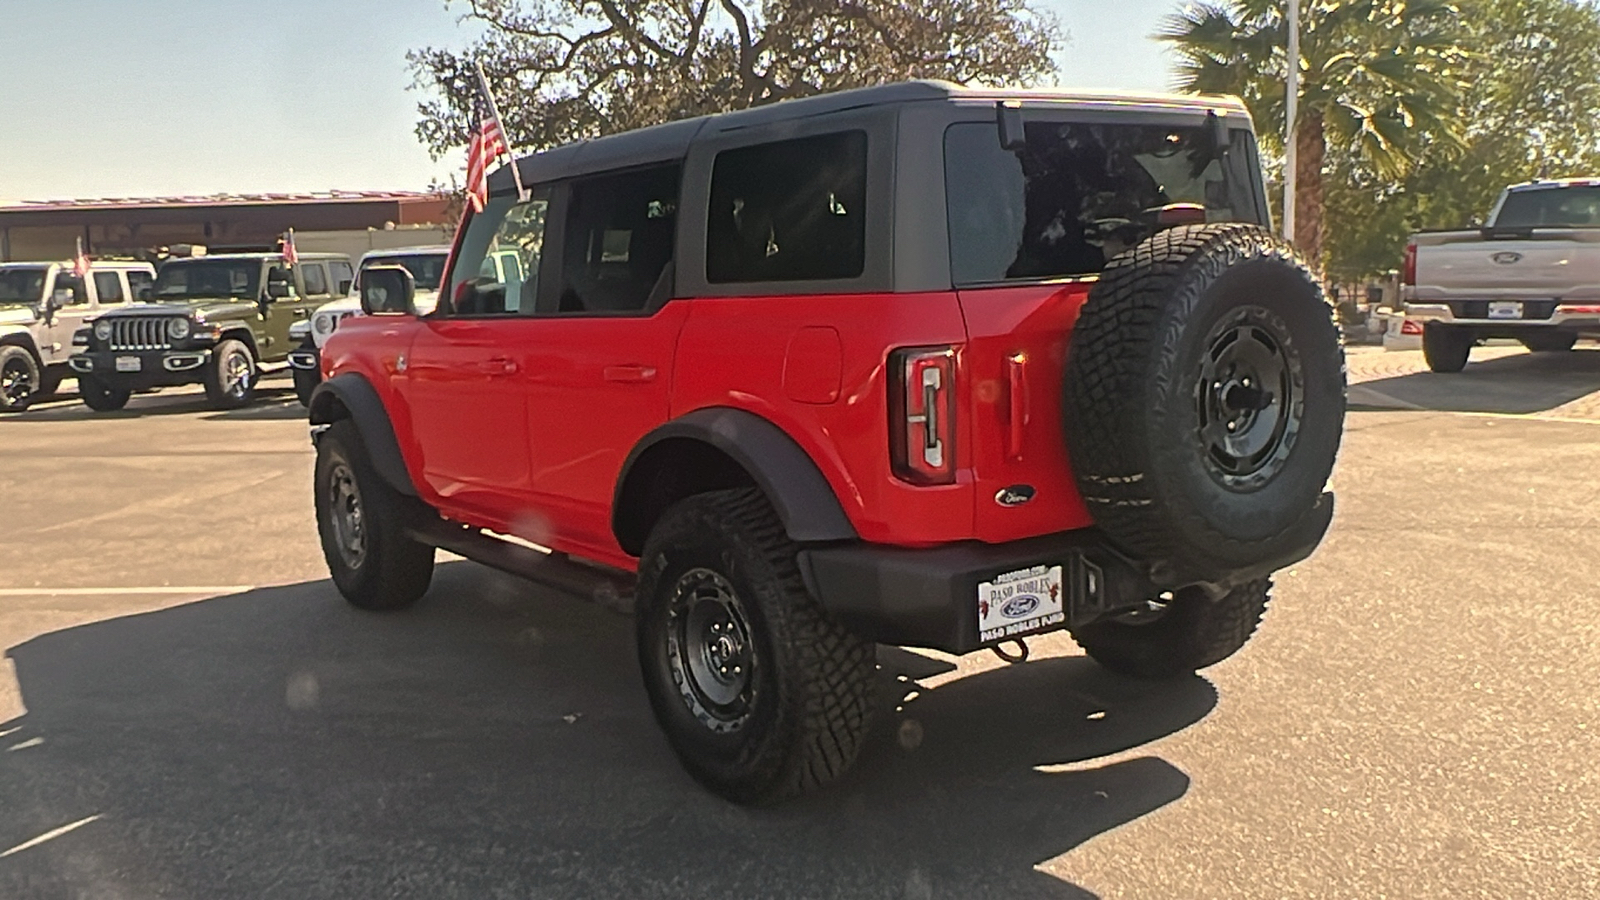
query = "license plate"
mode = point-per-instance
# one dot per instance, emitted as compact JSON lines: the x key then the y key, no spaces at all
{"x":1505,"y":309}
{"x":129,"y":364}
{"x":1019,"y":602}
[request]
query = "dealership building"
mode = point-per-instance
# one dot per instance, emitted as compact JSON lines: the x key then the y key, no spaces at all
{"x":151,"y":227}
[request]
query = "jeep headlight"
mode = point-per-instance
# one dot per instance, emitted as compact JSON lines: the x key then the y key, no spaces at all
{"x":102,"y":330}
{"x":323,"y":324}
{"x":178,"y":329}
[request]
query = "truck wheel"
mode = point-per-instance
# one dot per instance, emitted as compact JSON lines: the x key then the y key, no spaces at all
{"x":99,"y":396}
{"x":1204,"y":400}
{"x":19,"y":378}
{"x":304,"y":383}
{"x":1189,"y":632}
{"x":1557,"y":342}
{"x":1445,"y":347}
{"x":761,"y":695}
{"x":230,"y":380}
{"x":361,"y":519}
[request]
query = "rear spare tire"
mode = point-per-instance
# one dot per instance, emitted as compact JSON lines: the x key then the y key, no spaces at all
{"x":1204,"y":402}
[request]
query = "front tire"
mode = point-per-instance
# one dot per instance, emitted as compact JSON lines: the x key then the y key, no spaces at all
{"x":305,"y":382}
{"x":99,"y":396}
{"x":1189,"y":632}
{"x":1446,"y":347}
{"x":19,"y":378}
{"x":361,"y":520}
{"x":230,"y":380}
{"x":761,"y":695}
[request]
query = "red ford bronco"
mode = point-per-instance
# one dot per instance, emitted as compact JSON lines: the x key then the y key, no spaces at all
{"x":917,"y":365}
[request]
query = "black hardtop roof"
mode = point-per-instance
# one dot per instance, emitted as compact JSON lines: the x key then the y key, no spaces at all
{"x":671,"y":140}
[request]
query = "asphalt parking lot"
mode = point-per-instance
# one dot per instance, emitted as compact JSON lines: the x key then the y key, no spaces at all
{"x":188,"y":710}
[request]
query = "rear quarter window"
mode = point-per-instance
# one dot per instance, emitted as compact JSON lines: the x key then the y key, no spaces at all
{"x":790,"y":210}
{"x":1080,"y":193}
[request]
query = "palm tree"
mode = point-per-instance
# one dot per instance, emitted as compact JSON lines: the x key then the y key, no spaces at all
{"x":1379,"y":79}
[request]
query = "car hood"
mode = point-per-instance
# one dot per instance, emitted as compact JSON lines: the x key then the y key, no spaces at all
{"x":202,"y":308}
{"x":17,"y":314}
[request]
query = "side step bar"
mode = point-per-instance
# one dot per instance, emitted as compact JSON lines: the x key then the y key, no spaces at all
{"x":602,"y":585}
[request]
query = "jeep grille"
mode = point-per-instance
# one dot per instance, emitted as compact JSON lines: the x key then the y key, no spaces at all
{"x":139,"y":333}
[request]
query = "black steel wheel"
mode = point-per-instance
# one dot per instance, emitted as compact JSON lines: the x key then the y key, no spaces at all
{"x":1249,"y":398}
{"x":761,"y":695}
{"x":19,"y":378}
{"x":375,"y":562}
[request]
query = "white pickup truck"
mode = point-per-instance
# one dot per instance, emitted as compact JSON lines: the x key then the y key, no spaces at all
{"x":1531,"y":274}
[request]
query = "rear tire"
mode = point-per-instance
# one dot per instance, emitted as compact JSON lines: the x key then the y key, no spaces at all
{"x":761,"y":695}
{"x":230,"y":379}
{"x":99,"y":396}
{"x":1558,"y":342}
{"x":1192,"y":631}
{"x":1446,"y":347}
{"x":19,"y":378}
{"x":362,"y":521}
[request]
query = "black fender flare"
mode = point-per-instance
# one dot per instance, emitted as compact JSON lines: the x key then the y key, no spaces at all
{"x":800,"y":495}
{"x":358,"y":399}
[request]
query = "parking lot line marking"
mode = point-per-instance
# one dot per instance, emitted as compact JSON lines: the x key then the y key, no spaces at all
{"x":112,"y":591}
{"x":50,"y":835}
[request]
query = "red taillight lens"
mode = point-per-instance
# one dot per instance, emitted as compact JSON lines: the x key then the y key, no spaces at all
{"x":1411,"y":326}
{"x":922,"y":421}
{"x":1408,"y":274}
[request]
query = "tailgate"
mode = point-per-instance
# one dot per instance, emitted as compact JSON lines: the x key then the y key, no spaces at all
{"x":1547,"y":263}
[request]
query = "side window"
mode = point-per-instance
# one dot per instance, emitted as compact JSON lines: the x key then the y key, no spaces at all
{"x":618,"y":240}
{"x":109,"y":287}
{"x":507,"y":281}
{"x":141,"y":284}
{"x":316,"y":278}
{"x":72,"y":286}
{"x":342,"y":274}
{"x":789,"y":211}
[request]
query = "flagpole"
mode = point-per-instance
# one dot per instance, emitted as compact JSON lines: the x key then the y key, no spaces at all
{"x":494,"y":111}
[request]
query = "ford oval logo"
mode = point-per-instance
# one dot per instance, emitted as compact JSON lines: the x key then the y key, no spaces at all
{"x":1015,"y":495}
{"x":1506,"y":257}
{"x":1019,"y":606}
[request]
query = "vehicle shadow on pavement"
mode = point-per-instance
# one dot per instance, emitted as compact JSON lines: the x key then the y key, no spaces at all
{"x":1520,"y":383}
{"x":496,"y":741}
{"x":274,"y":401}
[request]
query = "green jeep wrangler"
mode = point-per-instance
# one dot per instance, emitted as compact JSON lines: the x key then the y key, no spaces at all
{"x":221,"y":321}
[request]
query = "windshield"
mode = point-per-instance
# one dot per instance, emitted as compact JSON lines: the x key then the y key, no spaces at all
{"x":238,"y":278}
{"x":1079,"y":193}
{"x":22,"y":284}
{"x":1575,"y":206}
{"x":427,"y":270}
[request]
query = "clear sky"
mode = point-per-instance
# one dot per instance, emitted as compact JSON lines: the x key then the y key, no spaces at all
{"x":118,"y":98}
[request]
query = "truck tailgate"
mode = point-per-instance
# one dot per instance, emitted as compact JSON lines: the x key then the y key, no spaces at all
{"x":1558,"y":263}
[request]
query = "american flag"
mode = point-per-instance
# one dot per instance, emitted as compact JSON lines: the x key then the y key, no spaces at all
{"x":488,"y":144}
{"x":80,"y":261}
{"x":290,"y":257}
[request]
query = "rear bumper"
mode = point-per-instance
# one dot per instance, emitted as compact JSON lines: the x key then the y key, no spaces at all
{"x":156,"y":368}
{"x":1575,"y":317}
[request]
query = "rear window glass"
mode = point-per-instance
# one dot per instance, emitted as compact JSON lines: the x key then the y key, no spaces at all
{"x":1569,"y":207}
{"x":789,"y":211}
{"x":1078,"y":194}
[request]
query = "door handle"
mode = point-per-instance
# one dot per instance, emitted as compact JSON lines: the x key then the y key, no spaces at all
{"x":498,"y":367}
{"x":301,"y":313}
{"x":630,"y":374}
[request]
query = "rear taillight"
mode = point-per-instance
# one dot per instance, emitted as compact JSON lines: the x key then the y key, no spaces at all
{"x":922,"y":391}
{"x":1408,"y":274}
{"x":1411,"y":326}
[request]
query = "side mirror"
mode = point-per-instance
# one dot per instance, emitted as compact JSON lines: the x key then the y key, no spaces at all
{"x":388,"y":289}
{"x":277,"y":290}
{"x":59,"y":298}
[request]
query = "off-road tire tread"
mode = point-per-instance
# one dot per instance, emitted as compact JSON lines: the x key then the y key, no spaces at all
{"x":1196,"y":632}
{"x":398,"y":568}
{"x":831,"y":669}
{"x":1116,"y":337}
